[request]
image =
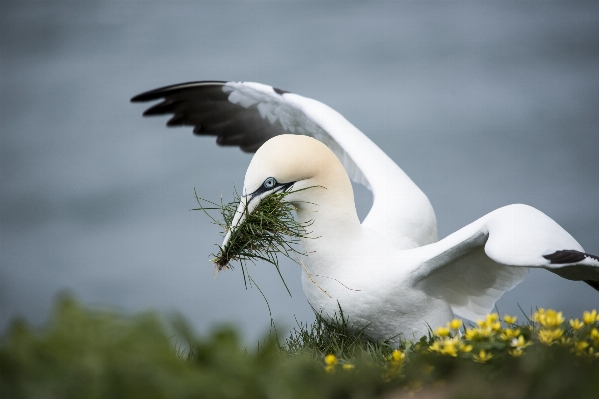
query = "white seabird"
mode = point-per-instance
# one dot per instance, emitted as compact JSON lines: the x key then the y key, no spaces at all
{"x":389,"y":273}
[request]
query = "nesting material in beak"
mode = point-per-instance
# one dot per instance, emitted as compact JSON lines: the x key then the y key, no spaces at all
{"x":258,"y":230}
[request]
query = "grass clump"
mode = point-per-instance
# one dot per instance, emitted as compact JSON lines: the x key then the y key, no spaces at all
{"x":270,"y":229}
{"x":334,"y":335}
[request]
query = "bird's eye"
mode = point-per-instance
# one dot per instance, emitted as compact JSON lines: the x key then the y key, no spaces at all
{"x":269,"y":183}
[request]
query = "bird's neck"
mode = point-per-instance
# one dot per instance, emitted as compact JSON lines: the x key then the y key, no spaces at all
{"x":329,"y":207}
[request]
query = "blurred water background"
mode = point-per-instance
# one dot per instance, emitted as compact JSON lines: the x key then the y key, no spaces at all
{"x":483,"y":104}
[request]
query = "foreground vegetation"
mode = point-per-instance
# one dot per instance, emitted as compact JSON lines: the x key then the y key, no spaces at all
{"x":97,"y":354}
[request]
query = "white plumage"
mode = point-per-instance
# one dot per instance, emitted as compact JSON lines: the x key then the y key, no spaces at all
{"x":389,"y":274}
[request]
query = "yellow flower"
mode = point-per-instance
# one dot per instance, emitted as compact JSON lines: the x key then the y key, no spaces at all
{"x":595,"y":334}
{"x":496,"y":326}
{"x":510,"y":319}
{"x":548,"y":318}
{"x":445,"y":347}
{"x":487,"y":327}
{"x":548,"y":337}
{"x":576,"y":324}
{"x":450,"y":351}
{"x":519,"y":343}
{"x":348,"y":366}
{"x":397,"y":356}
{"x":437,"y":346}
{"x":455,"y":324}
{"x":450,"y":348}
{"x":331,"y":362}
{"x":590,"y":317}
{"x":442,"y":331}
{"x":539,"y":313}
{"x":490,"y":318}
{"x":484,"y":332}
{"x":465,"y":348}
{"x":482,"y":357}
{"x":553,"y":319}
{"x":508,"y":334}
{"x":516,"y":352}
{"x":471,"y":334}
{"x":579,"y":347}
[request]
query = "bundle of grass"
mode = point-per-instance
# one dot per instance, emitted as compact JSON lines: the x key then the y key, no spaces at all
{"x":270,"y":229}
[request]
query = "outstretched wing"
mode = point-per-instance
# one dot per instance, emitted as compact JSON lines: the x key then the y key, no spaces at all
{"x":473,"y":267}
{"x":248,"y":114}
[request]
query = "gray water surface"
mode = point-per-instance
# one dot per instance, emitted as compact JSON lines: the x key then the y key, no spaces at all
{"x":483,"y":104}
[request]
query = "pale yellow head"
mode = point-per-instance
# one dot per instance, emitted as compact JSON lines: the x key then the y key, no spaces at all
{"x":303,"y":160}
{"x":307,"y":164}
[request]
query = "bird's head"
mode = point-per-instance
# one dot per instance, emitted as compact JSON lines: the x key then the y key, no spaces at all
{"x":299,"y":164}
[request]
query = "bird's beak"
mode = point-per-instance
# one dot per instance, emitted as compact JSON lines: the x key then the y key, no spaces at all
{"x":247,"y":204}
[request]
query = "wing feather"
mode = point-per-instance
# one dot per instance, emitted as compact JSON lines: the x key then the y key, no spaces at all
{"x":473,"y":267}
{"x":248,"y":114}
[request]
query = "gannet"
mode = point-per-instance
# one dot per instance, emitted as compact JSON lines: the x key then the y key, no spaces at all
{"x":389,"y":274}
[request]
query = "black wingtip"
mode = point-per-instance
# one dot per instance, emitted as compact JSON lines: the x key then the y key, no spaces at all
{"x":572,"y":256}
{"x":163,"y":91}
{"x":162,"y":108}
{"x":176,"y":120}
{"x":568,"y":256}
{"x":593,"y":283}
{"x":280,"y":91}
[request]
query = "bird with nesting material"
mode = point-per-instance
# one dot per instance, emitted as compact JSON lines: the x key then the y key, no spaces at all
{"x":390,"y":274}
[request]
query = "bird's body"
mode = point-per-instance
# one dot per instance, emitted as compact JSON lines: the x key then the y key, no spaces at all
{"x":348,"y":264}
{"x":370,"y":281}
{"x":389,"y":274}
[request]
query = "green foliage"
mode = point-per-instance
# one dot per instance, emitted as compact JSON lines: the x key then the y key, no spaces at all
{"x":99,"y":354}
{"x":89,"y":355}
{"x":270,"y":229}
{"x":95,"y":354}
